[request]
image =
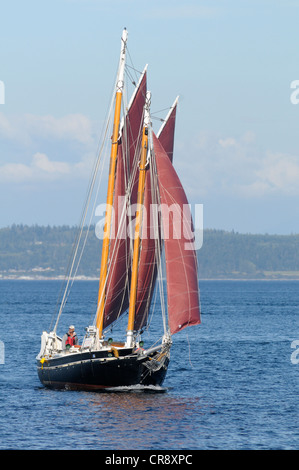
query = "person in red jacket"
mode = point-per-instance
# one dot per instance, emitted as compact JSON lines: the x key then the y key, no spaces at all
{"x":70,"y":338}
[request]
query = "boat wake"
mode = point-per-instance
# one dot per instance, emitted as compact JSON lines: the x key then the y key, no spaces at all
{"x":137,"y":389}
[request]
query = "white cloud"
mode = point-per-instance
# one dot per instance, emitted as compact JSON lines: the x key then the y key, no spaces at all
{"x":15,"y":172}
{"x":27,"y":128}
{"x":40,"y":168}
{"x":280,"y":172}
{"x":229,"y":142}
{"x":27,"y":143}
{"x":237,"y":166}
{"x":75,"y":127}
{"x":41,"y":162}
{"x":7,"y":129}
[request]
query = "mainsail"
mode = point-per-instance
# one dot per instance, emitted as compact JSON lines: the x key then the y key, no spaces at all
{"x":151,"y":232}
{"x":180,"y":254}
{"x":163,"y":190}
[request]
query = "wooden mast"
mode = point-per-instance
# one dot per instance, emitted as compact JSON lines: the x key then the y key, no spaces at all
{"x":139,"y":212}
{"x":111,"y":183}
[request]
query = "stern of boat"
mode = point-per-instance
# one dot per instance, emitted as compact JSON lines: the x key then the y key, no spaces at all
{"x":49,"y":342}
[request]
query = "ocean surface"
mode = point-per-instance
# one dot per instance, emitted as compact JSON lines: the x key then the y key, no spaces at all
{"x":232,"y":383}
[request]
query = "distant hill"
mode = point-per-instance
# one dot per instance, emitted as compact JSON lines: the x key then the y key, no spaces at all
{"x":44,"y":252}
{"x":245,"y":256}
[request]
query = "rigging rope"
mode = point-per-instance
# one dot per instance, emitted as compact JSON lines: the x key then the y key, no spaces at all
{"x":82,"y":221}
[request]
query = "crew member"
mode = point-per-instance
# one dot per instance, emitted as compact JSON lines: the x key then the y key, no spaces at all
{"x":70,"y":338}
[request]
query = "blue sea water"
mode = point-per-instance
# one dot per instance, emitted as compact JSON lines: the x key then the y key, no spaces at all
{"x":231,"y":383}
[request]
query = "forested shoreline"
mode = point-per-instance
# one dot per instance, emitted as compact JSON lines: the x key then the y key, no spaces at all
{"x":43,"y":252}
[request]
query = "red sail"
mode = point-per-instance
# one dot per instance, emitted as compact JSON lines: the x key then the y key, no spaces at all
{"x":148,"y":263}
{"x":180,"y":254}
{"x":119,"y":256}
{"x":151,"y":240}
{"x":166,"y":133}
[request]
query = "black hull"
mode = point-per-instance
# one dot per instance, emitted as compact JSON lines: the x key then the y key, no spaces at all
{"x":97,"y":371}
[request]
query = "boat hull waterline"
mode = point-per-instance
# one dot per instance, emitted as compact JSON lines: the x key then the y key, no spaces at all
{"x":100,"y":370}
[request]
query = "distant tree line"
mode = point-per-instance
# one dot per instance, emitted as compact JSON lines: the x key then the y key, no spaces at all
{"x":45,"y":251}
{"x":230,"y":254}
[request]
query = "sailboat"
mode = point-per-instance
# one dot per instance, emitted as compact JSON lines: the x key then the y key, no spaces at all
{"x":134,"y":245}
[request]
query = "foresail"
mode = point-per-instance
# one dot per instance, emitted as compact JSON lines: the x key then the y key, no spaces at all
{"x":180,"y":254}
{"x":119,"y":256}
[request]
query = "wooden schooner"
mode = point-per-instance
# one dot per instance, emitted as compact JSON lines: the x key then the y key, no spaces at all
{"x":141,"y":175}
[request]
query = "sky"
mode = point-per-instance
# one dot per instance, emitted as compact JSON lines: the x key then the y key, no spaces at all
{"x":233,"y":64}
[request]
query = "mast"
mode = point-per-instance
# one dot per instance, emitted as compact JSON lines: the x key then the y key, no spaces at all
{"x":140,"y":198}
{"x":111,"y":182}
